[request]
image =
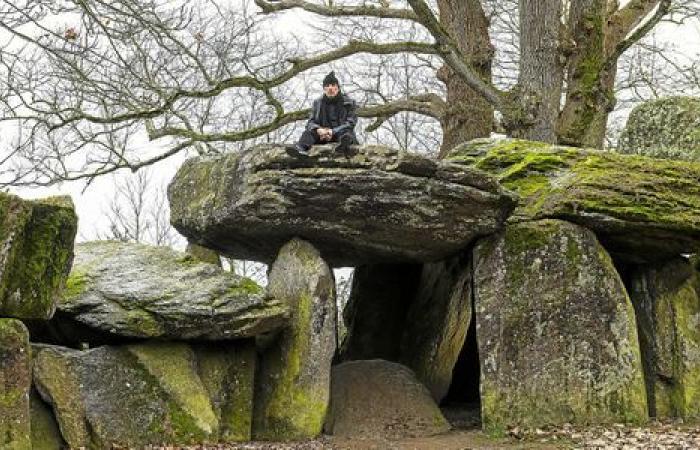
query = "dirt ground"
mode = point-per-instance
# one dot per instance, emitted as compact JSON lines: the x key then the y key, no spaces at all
{"x":466,"y":435}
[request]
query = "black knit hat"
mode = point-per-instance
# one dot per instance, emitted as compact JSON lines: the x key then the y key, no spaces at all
{"x":330,"y":79}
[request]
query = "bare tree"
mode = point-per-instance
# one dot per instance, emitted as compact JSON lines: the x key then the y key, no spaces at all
{"x":254,"y":270}
{"x":83,"y":84}
{"x":139,"y":212}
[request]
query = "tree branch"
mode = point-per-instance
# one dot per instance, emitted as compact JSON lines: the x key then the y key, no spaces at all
{"x":336,"y":11}
{"x":428,"y":104}
{"x":453,"y":56}
{"x":629,"y":21}
{"x":298,"y":66}
{"x":421,"y":14}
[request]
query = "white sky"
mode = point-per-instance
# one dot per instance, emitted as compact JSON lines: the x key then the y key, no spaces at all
{"x":92,"y":204}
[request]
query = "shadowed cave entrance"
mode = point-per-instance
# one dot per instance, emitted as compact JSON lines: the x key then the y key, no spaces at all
{"x":462,"y":406}
{"x":384,"y":316}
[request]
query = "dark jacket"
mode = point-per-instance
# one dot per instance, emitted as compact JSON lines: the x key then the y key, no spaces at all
{"x":346,"y":115}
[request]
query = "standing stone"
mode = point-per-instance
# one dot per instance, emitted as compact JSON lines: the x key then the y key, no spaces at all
{"x":128,"y":396}
{"x":437,"y":322}
{"x":56,"y":379}
{"x":381,"y":399}
{"x":667,"y":301}
{"x":227,"y":372}
{"x":556,"y":330}
{"x":36,"y":251}
{"x":376,"y":312}
{"x":45,"y":432}
{"x":15,"y":383}
{"x":294,"y":380}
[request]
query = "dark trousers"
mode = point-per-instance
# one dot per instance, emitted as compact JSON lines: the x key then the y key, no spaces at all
{"x":309,"y":138}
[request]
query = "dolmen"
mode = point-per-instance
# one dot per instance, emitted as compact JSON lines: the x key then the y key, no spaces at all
{"x":545,"y":284}
{"x":537,"y":248}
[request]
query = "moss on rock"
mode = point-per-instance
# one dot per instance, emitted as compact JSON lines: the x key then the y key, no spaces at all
{"x":227,"y":372}
{"x":292,"y":389}
{"x":45,"y":432}
{"x":556,"y":330}
{"x":60,"y":386}
{"x":132,"y":396}
{"x":642,"y":209}
{"x":15,"y":383}
{"x":173,"y":366}
{"x":36,"y":251}
{"x":664,"y":128}
{"x":667,"y":300}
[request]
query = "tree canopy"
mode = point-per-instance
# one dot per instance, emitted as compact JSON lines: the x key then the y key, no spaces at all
{"x":88,"y":88}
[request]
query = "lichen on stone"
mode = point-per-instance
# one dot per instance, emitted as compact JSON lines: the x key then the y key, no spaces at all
{"x":556,"y":331}
{"x":664,"y":128}
{"x":293,"y":384}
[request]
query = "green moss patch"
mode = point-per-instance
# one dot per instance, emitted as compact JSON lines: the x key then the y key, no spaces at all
{"x":37,"y":245}
{"x":642,"y":208}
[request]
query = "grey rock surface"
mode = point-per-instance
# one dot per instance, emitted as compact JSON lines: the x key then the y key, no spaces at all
{"x":667,"y":302}
{"x":381,"y":399}
{"x":437,"y":322}
{"x":293,"y":383}
{"x":142,"y":291}
{"x":143,"y":394}
{"x":379,"y":206}
{"x":556,"y":330}
{"x":664,"y":128}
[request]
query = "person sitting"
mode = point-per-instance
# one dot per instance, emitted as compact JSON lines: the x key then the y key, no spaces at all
{"x":332,"y":119}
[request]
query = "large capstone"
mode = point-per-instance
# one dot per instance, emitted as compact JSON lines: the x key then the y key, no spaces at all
{"x":36,"y":250}
{"x":556,"y":330}
{"x":122,"y":290}
{"x":664,"y":128}
{"x":667,"y":301}
{"x":642,"y":209}
{"x":380,"y":399}
{"x":382,"y":205}
{"x":15,"y":383}
{"x":293,"y":384}
{"x":146,"y":394}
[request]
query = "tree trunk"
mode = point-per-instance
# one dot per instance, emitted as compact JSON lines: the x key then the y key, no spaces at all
{"x":541,"y":71}
{"x":468,"y":114}
{"x":590,"y":96}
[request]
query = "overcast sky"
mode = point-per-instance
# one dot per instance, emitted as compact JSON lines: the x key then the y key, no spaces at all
{"x":92,"y":204}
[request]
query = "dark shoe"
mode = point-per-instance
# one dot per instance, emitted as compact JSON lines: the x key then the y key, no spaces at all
{"x":344,"y":146}
{"x":297,"y":151}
